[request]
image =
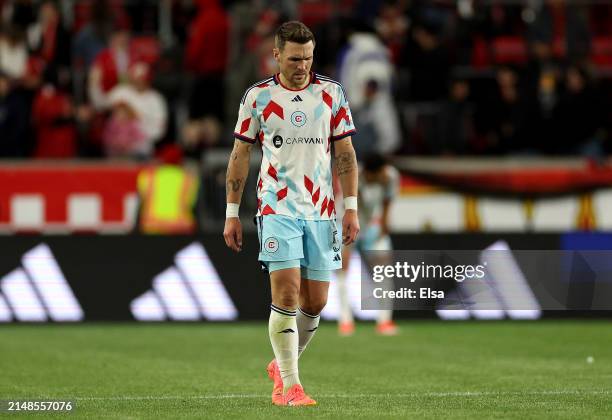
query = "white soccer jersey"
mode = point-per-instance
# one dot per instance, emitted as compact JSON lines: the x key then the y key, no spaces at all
{"x":373,"y":195}
{"x":295,"y":129}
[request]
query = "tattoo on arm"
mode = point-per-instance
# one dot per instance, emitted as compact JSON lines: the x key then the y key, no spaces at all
{"x":236,"y":152}
{"x":237,"y":169}
{"x":234,"y":185}
{"x":345,"y":162}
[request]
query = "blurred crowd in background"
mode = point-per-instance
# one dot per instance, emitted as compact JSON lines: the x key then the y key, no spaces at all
{"x":108,"y":78}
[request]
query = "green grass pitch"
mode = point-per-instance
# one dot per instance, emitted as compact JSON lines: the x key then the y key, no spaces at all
{"x":441,"y":370}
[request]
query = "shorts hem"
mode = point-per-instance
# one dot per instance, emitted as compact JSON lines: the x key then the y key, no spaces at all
{"x":281,"y":265}
{"x":316,"y":275}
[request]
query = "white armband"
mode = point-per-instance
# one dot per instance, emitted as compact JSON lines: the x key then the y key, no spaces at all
{"x":350,"y":203}
{"x":232,"y":210}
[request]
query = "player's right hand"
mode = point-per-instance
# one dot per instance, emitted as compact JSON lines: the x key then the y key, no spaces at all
{"x":232,"y":233}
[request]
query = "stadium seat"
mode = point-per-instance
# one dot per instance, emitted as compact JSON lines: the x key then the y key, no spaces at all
{"x":313,"y":13}
{"x":146,"y":48}
{"x":509,"y":50}
{"x":601,"y":51}
{"x":480,"y":53}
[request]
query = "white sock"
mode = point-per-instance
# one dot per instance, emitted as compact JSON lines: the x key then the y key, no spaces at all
{"x":384,"y":315}
{"x":284,"y":338}
{"x":307,"y":327}
{"x":346,"y":315}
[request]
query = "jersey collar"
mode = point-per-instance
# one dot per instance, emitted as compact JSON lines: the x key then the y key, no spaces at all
{"x":312,"y":79}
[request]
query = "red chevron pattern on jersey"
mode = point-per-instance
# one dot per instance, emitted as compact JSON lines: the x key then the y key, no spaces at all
{"x":324,"y":206}
{"x":330,"y":208}
{"x":272,"y":172}
{"x":308,"y":184}
{"x":327,"y":99}
{"x":341,"y":115}
{"x":245,"y":125}
{"x":267,"y":210}
{"x":282,"y":193}
{"x":315,"y":196}
{"x":273,"y":108}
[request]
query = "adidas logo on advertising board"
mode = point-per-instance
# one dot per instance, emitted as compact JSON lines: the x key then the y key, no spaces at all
{"x":37,"y":291}
{"x":190,"y":290}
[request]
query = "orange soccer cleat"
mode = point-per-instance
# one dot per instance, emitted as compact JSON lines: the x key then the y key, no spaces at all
{"x":346,"y":328}
{"x":387,"y":328}
{"x":296,"y":396}
{"x":277,"y":390}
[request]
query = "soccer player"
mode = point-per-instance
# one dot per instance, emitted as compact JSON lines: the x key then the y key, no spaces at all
{"x":300,"y":119}
{"x":378,"y":185}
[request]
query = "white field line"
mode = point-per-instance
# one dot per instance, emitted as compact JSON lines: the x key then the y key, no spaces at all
{"x":380,"y":395}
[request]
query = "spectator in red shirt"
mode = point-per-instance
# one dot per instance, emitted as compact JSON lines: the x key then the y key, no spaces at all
{"x":53,"y":122}
{"x":206,"y":57}
{"x":110,"y":68}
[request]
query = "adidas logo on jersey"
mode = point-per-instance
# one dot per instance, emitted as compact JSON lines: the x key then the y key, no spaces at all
{"x":297,"y":99}
{"x":337,"y":257}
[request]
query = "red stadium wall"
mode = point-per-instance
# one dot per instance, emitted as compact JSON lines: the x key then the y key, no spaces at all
{"x":68,"y":197}
{"x":99,"y":197}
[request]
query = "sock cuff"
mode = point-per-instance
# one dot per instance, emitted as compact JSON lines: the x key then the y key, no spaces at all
{"x":283,"y":311}
{"x":307,"y":314}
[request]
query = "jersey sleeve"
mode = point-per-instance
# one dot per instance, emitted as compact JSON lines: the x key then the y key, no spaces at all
{"x":247,"y":125}
{"x":342,"y":120}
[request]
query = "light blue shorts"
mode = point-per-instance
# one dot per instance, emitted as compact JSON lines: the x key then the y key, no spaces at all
{"x":287,"y":242}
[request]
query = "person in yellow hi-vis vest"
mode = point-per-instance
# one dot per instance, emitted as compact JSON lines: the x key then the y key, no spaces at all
{"x":168,"y":196}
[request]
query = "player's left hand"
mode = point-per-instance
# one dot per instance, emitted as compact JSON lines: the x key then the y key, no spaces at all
{"x":350,"y":227}
{"x":232,"y":233}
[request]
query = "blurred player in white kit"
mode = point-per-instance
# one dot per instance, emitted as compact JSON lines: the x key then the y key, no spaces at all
{"x":378,"y":186}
